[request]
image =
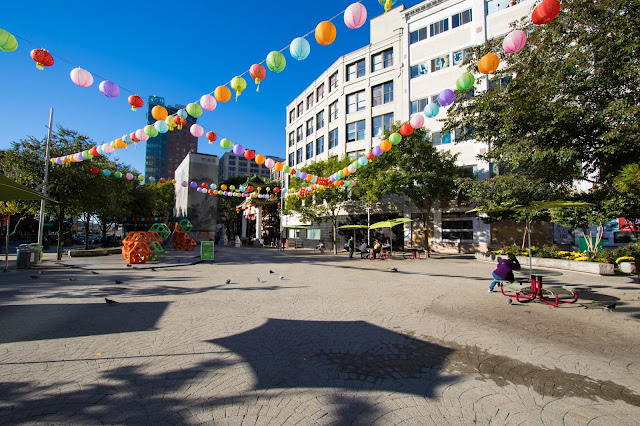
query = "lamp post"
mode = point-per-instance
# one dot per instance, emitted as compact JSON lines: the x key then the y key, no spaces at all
{"x":44,"y":183}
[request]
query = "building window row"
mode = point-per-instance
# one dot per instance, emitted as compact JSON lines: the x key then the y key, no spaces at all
{"x":356,"y":131}
{"x":382,"y":94}
{"x":380,"y":124}
{"x":320,"y":145}
{"x":333,"y":138}
{"x":440,"y":63}
{"x":441,"y":26}
{"x":382,"y":60}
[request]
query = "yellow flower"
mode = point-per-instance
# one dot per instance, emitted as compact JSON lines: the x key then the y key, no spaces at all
{"x":625,"y":258}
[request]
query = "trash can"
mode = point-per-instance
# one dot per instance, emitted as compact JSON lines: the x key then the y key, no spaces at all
{"x":37,"y":257}
{"x":23,"y":256}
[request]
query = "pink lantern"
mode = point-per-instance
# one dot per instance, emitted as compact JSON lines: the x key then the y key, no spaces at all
{"x":417,"y":121}
{"x":269,"y":163}
{"x":351,"y":168}
{"x":107,"y":148}
{"x":208,"y":102}
{"x":81,"y":77}
{"x":141,"y":135}
{"x":196,"y":130}
{"x":129,"y":176}
{"x":355,"y":16}
{"x":514,"y":41}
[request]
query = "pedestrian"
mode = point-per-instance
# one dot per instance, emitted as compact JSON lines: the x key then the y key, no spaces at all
{"x":364,"y":250}
{"x":504,"y":271}
{"x":352,"y":246}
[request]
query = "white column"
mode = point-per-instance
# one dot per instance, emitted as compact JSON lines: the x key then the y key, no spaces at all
{"x":258,"y":222}
{"x":243,"y":232}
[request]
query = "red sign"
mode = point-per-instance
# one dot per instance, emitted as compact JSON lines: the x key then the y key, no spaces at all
{"x":5,"y":219}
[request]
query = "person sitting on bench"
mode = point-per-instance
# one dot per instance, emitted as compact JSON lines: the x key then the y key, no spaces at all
{"x":504,"y":271}
{"x":376,"y":248}
{"x":364,"y":250}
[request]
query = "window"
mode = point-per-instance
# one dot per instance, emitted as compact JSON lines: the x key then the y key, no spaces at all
{"x":309,"y":127}
{"x":380,"y":124}
{"x":457,"y":226}
{"x":294,"y":233}
{"x":300,"y":109}
{"x":439,"y":27}
{"x":440,"y":63}
{"x":441,"y":139}
{"x":418,"y":105}
{"x":382,"y":60}
{"x":333,"y":138}
{"x":243,"y":162}
{"x":313,"y":234}
{"x":310,"y":101}
{"x":309,"y":150}
{"x":292,"y":139}
{"x":299,"y":156}
{"x":418,"y":35}
{"x":320,"y":120}
{"x":320,"y":92}
{"x":333,"y":81}
{"x":355,"y":70}
{"x":420,"y":69}
{"x":497,"y":82}
{"x":320,"y":145}
{"x":356,"y":102}
{"x":291,"y":159}
{"x":333,"y":111}
{"x":292,"y":115}
{"x":463,"y":135}
{"x":242,"y":169}
{"x":460,"y":56}
{"x":299,"y":134}
{"x":232,"y":161}
{"x":356,"y":131}
{"x":469,"y":171}
{"x":461,"y":18}
{"x":353,"y":155}
{"x":382,"y":93}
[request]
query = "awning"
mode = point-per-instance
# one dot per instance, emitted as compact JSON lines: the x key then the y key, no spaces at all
{"x":10,"y":190}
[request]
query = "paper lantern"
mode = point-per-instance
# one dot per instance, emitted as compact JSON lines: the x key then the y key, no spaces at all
{"x":299,"y":48}
{"x":226,"y":143}
{"x":135,"y":101}
{"x":8,"y":42}
{"x":208,"y":102}
{"x":351,"y":168}
{"x":388,"y":4}
{"x":303,"y":175}
{"x":355,"y":16}
{"x":109,"y":89}
{"x":222,"y":94}
{"x":249,"y":154}
{"x":182,"y":113}
{"x":545,"y":12}
{"x":211,"y":137}
{"x":257,"y":73}
{"x":141,"y":135}
{"x":161,"y":126}
{"x":446,"y":97}
{"x":363,"y":161}
{"x":370,"y":156}
{"x":514,"y":41}
{"x":106,"y":148}
{"x":250,"y":188}
{"x":465,"y":81}
{"x":42,"y":57}
{"x":325,"y":33}
{"x":223,"y":187}
{"x":133,"y":137}
{"x":179,"y":121}
{"x":488,"y":64}
{"x":260,"y":159}
{"x":406,"y":129}
{"x":118,"y":174}
{"x":141,"y":179}
{"x":106,"y":172}
{"x":94,"y":151}
{"x":159,"y":112}
{"x":276,"y":61}
{"x":194,"y":110}
{"x":385,"y":145}
{"x":152,"y":179}
{"x":238,"y":84}
{"x":193,"y":184}
{"x":95,"y":170}
{"x":162,"y":180}
{"x":417,"y":121}
{"x":196,"y":130}
{"x":129,"y":176}
{"x":204,"y":185}
{"x":431,"y":110}
{"x":150,"y":131}
{"x":238,"y":149}
{"x":377,"y":151}
{"x":395,"y":138}
{"x":269,"y":163}
{"x":120,"y":143}
{"x":170,"y":122}
{"x":278,"y":166}
{"x":81,"y":77}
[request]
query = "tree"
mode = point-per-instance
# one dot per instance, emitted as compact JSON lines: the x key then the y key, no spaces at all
{"x":413,"y":168}
{"x":323,"y":204}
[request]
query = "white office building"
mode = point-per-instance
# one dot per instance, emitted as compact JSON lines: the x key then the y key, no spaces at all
{"x":413,"y":54}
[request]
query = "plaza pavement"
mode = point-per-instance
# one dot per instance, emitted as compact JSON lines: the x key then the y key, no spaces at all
{"x":335,"y":341}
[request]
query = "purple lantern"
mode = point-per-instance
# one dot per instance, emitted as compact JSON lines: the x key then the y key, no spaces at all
{"x":109,"y":89}
{"x":332,"y":178}
{"x":184,"y":183}
{"x":58,"y":161}
{"x":199,"y":189}
{"x":377,"y":151}
{"x":446,"y":97}
{"x":238,"y":149}
{"x":193,"y":184}
{"x":303,"y":175}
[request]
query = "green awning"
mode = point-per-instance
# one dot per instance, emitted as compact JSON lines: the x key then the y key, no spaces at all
{"x":353,"y":227}
{"x":390,"y":223}
{"x":10,"y":190}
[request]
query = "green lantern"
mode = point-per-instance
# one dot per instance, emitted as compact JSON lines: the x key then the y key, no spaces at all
{"x":232,"y":187}
{"x":276,"y":61}
{"x":341,"y":174}
{"x":286,"y":169}
{"x":86,"y":155}
{"x":141,"y":178}
{"x":395,"y":138}
{"x":150,"y":130}
{"x":226,"y":143}
{"x":355,"y":165}
{"x":118,"y":175}
{"x":465,"y":81}
{"x":8,"y":42}
{"x":194,"y":110}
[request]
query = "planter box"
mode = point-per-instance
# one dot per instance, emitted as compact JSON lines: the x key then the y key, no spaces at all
{"x":95,"y":252}
{"x":627,"y":267}
{"x":570,"y":265}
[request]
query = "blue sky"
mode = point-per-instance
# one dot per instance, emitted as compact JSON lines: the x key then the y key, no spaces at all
{"x":177,"y":50}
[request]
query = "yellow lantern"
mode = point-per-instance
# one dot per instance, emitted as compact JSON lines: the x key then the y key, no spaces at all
{"x":238,"y":84}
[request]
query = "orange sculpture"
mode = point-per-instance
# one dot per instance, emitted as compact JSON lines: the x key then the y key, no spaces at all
{"x":181,"y":240}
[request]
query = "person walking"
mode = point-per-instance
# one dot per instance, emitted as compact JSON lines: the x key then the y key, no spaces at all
{"x":504,"y":271}
{"x":352,"y":246}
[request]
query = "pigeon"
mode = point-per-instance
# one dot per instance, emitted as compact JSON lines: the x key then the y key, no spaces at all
{"x":509,"y":301}
{"x":228,"y":281}
{"x":94,"y":272}
{"x":118,"y":282}
{"x":128,"y":265}
{"x":109,"y":301}
{"x":394,"y":269}
{"x":280,"y":277}
{"x":35,"y":277}
{"x":258,"y":279}
{"x":153,"y":270}
{"x":609,"y":308}
{"x":271,"y":272}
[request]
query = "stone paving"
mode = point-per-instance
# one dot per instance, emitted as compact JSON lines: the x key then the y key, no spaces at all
{"x":334,"y":341}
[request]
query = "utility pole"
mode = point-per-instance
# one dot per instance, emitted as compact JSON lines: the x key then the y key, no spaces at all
{"x":44,"y":184}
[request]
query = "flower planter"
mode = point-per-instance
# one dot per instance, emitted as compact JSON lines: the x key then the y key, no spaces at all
{"x":627,"y":267}
{"x":570,"y":265}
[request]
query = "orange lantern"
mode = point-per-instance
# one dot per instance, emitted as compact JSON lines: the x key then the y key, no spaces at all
{"x":120,"y":143}
{"x":223,"y":187}
{"x":260,"y":159}
{"x":222,"y":94}
{"x":278,"y":167}
{"x":545,"y":12}
{"x":309,"y":178}
{"x":159,"y":112}
{"x":325,"y":33}
{"x":346,"y":171}
{"x":385,"y":145}
{"x":488,"y":64}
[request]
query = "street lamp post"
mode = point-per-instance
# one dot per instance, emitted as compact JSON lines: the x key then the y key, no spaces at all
{"x":44,"y":183}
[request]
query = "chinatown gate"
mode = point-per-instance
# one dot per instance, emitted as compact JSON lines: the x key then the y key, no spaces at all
{"x":265,"y":195}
